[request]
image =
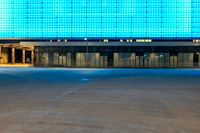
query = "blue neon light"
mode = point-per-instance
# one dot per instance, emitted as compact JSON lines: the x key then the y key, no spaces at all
{"x":99,"y":18}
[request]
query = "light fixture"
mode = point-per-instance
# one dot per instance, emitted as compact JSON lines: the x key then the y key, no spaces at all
{"x":196,"y":41}
{"x":143,"y":40}
{"x":105,"y":40}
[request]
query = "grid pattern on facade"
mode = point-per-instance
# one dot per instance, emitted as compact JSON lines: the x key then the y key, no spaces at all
{"x":99,"y":18}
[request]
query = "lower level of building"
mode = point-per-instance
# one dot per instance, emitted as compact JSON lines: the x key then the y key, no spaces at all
{"x":103,"y":55}
{"x":15,"y":54}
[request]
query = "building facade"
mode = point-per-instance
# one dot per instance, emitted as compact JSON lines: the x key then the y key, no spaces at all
{"x":100,"y":33}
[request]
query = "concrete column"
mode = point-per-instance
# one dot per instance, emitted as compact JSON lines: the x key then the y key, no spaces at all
{"x":116,"y":59}
{"x":69,"y":59}
{"x":132,"y":60}
{"x":23,"y":56}
{"x":0,"y":55}
{"x":13,"y":56}
{"x":32,"y":57}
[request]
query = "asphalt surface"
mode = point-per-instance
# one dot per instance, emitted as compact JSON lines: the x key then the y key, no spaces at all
{"x":39,"y":100}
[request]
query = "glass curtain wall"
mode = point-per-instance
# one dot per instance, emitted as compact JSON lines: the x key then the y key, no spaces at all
{"x":128,"y":57}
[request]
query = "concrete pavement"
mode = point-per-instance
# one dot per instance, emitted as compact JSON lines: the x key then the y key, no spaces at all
{"x":37,"y":100}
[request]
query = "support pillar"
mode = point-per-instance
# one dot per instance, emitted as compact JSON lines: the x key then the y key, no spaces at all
{"x":23,"y":56}
{"x":32,"y":57}
{"x":13,"y":56}
{"x":0,"y":55}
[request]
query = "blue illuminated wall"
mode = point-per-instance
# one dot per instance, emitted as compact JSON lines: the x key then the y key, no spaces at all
{"x":99,"y":18}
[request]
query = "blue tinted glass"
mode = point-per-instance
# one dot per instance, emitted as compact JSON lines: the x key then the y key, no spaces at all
{"x":99,"y":18}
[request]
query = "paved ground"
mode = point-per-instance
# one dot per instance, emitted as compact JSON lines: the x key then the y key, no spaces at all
{"x":16,"y":65}
{"x":99,"y":101}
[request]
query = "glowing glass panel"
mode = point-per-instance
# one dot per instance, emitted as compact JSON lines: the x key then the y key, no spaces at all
{"x":99,"y":18}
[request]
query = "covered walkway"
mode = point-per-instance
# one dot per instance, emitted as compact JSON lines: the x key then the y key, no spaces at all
{"x":16,"y":55}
